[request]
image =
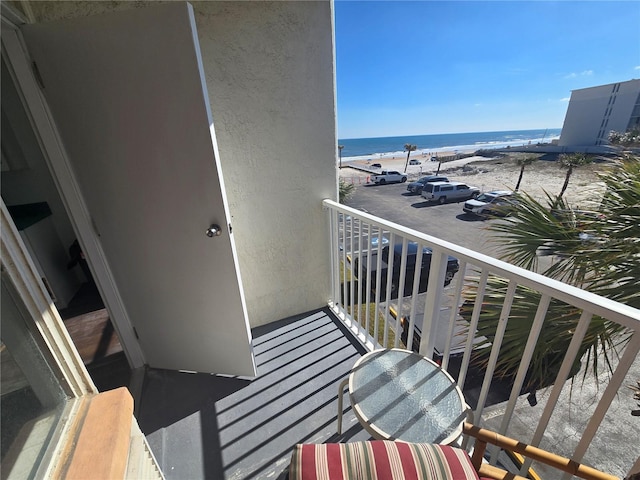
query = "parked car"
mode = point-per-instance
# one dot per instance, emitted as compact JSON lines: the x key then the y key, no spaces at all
{"x":498,"y":202}
{"x":376,"y":165}
{"x":413,"y":161}
{"x":389,"y":176}
{"x":412,"y":255}
{"x":443,"y":192}
{"x":373,"y":243}
{"x":416,"y":187}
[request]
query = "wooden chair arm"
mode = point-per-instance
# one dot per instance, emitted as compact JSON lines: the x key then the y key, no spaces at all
{"x":483,"y":437}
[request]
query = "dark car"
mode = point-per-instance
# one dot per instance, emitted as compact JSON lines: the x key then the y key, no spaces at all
{"x":412,"y":253}
{"x":375,"y":165}
{"x":417,"y":186}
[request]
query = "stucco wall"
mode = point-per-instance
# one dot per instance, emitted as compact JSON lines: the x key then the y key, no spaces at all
{"x":269,"y":69}
{"x":270,"y":76}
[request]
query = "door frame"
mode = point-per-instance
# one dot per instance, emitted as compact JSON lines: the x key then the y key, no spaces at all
{"x":20,"y":66}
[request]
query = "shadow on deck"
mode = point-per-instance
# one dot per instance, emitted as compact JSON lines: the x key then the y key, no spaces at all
{"x":216,"y":426}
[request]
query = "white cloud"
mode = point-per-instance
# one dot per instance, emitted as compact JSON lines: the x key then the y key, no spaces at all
{"x":585,"y":73}
{"x":565,"y":99}
{"x":637,"y":68}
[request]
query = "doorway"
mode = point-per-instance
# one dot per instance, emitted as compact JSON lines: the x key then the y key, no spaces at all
{"x":142,"y":191}
{"x":31,"y":196}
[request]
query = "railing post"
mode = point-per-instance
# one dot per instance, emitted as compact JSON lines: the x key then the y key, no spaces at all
{"x":495,"y":349}
{"x":629,"y":355}
{"x":563,"y":374}
{"x":435,"y":288}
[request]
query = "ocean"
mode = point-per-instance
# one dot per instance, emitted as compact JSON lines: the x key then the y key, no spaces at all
{"x":446,"y":142}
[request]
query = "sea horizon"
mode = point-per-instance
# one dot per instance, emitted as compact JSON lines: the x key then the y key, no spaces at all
{"x":377,"y":147}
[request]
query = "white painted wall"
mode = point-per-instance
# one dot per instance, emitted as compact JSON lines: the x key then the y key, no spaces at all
{"x":594,"y":112}
{"x":270,"y":77}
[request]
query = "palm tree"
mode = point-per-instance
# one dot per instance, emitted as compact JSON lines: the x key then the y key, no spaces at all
{"x":570,"y":162}
{"x":593,"y":251}
{"x":345,"y":190}
{"x":340,"y":147}
{"x":409,"y":148}
{"x":523,"y":162}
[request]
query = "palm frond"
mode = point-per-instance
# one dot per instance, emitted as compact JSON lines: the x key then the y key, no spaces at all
{"x":557,"y":332}
{"x":597,"y":251}
{"x":345,"y":190}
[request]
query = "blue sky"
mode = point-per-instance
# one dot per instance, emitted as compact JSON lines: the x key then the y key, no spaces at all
{"x":425,"y":67}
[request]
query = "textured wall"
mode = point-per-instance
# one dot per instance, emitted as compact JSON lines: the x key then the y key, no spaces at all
{"x":269,"y":69}
{"x":270,"y":76}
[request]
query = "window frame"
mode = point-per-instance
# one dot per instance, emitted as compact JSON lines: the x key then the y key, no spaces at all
{"x":47,"y":328}
{"x":42,"y":318}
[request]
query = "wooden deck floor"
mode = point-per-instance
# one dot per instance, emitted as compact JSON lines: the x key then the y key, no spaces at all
{"x":93,"y":335}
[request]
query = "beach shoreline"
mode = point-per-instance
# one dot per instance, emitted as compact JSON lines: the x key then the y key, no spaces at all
{"x":376,"y":148}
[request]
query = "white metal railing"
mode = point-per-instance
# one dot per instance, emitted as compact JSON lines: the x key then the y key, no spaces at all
{"x":361,"y":242}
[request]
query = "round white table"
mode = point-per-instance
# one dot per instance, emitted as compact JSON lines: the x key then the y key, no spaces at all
{"x":401,"y":395}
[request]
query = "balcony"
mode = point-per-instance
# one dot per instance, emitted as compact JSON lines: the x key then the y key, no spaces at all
{"x":214,"y":426}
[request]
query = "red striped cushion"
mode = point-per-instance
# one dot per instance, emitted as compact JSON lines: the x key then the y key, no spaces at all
{"x":379,"y":460}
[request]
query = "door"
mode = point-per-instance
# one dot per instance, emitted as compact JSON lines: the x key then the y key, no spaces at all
{"x":127,"y":93}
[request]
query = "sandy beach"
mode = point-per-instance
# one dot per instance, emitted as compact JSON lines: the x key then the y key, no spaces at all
{"x":497,"y":173}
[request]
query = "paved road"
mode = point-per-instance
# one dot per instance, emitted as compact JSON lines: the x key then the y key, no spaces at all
{"x":447,"y":222}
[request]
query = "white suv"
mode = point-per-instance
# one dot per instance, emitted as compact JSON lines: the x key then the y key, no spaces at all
{"x":497,"y":202}
{"x":442,"y":192}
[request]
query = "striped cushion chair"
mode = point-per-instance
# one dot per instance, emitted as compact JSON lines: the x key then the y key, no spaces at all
{"x":380,"y":460}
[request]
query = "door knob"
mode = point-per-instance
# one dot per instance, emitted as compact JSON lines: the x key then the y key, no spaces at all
{"x":214,"y":231}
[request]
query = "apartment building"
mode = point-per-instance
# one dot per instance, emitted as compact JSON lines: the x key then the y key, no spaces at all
{"x":595,"y":111}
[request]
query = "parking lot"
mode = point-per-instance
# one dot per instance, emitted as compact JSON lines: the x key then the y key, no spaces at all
{"x":448,"y":222}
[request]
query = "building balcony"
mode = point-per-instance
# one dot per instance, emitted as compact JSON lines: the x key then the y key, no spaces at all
{"x":215,"y":426}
